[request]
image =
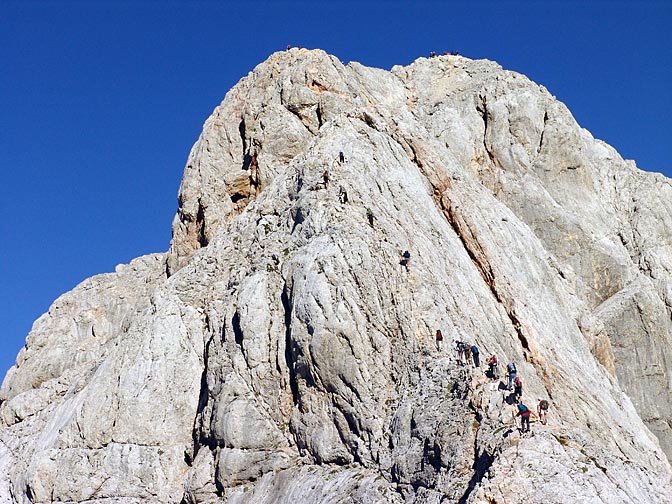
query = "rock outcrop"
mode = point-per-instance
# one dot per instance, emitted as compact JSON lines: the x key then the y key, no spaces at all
{"x":281,"y":351}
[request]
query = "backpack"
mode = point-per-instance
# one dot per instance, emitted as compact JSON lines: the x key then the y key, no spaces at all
{"x":512,"y":368}
{"x":522,"y":408}
{"x":518,"y":381}
{"x":474,"y":350}
{"x":543,"y":404}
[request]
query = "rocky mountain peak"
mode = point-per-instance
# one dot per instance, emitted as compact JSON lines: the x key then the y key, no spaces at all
{"x":284,"y":348}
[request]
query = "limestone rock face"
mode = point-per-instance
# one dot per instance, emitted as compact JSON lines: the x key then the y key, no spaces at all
{"x":282,"y":351}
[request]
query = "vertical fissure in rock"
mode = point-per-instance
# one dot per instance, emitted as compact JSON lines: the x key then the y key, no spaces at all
{"x":200,"y":222}
{"x":318,"y":113}
{"x":289,"y":353}
{"x":478,"y":257}
{"x":481,"y":466}
{"x":196,"y":435}
{"x":483,"y":110}
{"x":243,"y":134}
{"x":237,"y":331}
{"x":541,"y":137}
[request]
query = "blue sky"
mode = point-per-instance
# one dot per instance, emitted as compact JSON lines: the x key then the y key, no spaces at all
{"x":101,"y":102}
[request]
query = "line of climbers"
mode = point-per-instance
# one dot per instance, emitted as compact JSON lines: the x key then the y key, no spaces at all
{"x":466,"y":353}
{"x":433,"y":54}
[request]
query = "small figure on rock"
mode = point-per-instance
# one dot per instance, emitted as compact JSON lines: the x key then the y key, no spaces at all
{"x":492,"y":366}
{"x":511,"y":371}
{"x":467,"y":353}
{"x":439,"y":339}
{"x":405,"y":257}
{"x":445,"y":53}
{"x":341,"y":157}
{"x":370,"y":217}
{"x":518,"y":388}
{"x":475,"y":355}
{"x":542,"y":410}
{"x":325,"y":179}
{"x":342,"y":195}
{"x":289,"y":46}
{"x":432,"y":54}
{"x":524,"y":414}
{"x":459,"y":348}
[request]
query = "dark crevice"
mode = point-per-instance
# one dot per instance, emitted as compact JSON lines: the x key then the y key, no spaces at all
{"x":431,"y":454}
{"x":197,"y":437}
{"x":242,"y":131}
{"x":289,"y":353}
{"x":200,"y":221}
{"x":247,"y":161}
{"x":541,"y":138}
{"x":481,"y":466}
{"x":236,"y":197}
{"x":237,"y":331}
{"x":298,"y":217}
{"x":318,"y":112}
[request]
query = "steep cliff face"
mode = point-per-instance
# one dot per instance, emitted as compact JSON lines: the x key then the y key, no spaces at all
{"x":280,"y":351}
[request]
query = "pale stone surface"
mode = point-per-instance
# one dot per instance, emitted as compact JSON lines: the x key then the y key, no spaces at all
{"x":281,"y":352}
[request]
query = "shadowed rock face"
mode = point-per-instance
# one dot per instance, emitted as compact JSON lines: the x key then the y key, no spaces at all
{"x":281,"y":352}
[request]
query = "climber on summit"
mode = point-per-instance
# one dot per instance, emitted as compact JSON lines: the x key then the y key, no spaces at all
{"x":325,"y":179}
{"x":511,"y":372}
{"x":524,"y":414}
{"x":542,"y":410}
{"x":492,"y":365}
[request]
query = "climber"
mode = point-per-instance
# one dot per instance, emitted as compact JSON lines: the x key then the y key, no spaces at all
{"x":492,"y":364}
{"x":459,"y":348}
{"x":524,"y":414}
{"x":511,"y":371}
{"x":341,"y":157}
{"x":439,"y":339}
{"x":542,"y":410}
{"x":405,"y":257}
{"x":475,"y":355}
{"x":325,"y":179}
{"x":342,"y":195}
{"x":467,"y":353}
{"x":289,"y":46}
{"x":518,"y":388}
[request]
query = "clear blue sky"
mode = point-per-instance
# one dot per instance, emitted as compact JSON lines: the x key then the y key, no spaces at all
{"x":102,"y":100}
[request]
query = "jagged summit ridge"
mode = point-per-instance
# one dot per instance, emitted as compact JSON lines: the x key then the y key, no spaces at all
{"x":279,"y":351}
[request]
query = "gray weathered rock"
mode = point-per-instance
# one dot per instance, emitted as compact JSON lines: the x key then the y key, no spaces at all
{"x":281,"y":352}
